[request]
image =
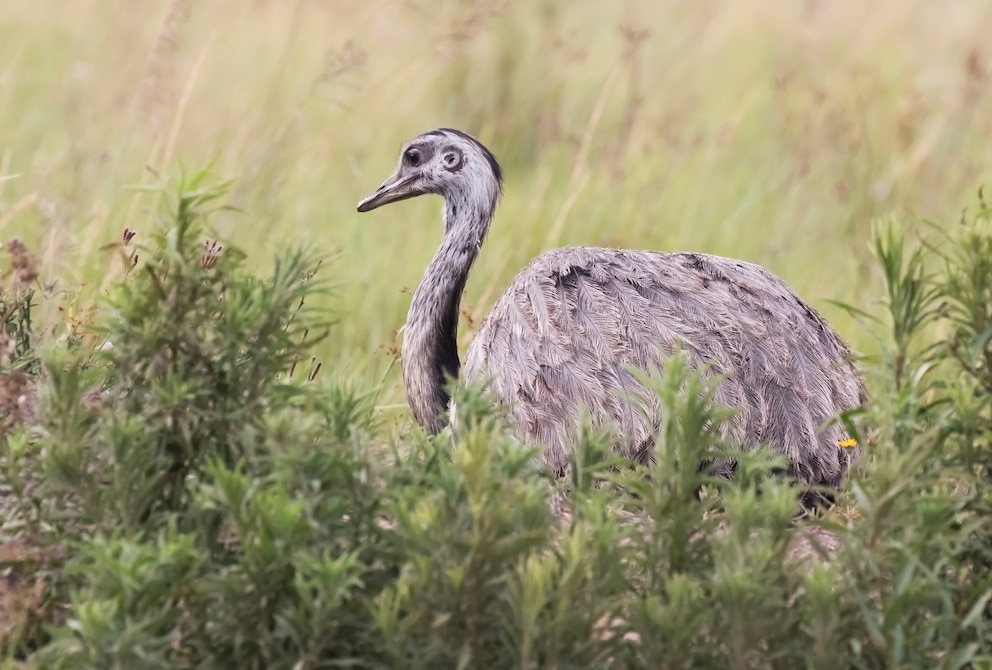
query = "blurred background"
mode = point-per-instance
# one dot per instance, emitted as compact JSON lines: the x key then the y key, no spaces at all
{"x":774,"y":131}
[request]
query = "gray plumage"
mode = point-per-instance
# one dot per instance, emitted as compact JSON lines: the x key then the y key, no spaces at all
{"x":563,"y":336}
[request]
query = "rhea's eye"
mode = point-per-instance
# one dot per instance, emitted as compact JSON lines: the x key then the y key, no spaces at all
{"x":412,"y":157}
{"x":451,"y":159}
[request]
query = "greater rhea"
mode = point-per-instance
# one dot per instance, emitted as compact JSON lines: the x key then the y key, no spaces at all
{"x":562,"y":340}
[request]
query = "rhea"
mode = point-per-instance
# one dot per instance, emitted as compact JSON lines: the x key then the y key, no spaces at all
{"x":565,"y":339}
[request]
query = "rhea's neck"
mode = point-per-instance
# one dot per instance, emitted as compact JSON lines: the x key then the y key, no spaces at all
{"x":430,"y":336}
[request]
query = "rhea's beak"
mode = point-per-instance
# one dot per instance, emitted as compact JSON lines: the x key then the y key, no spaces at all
{"x":396,"y":188}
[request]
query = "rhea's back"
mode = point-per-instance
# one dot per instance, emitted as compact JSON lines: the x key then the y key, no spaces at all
{"x":563,"y":337}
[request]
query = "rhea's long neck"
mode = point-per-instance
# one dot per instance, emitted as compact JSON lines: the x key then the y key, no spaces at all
{"x":430,"y":337}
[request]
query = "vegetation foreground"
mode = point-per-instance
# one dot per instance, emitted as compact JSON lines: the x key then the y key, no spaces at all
{"x":186,"y":488}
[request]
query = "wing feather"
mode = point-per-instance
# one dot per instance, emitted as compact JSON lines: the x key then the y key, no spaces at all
{"x":561,"y":339}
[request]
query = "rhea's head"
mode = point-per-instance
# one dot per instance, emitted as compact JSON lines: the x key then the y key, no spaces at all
{"x":444,"y":162}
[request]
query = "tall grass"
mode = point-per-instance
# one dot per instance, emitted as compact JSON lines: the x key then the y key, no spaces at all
{"x":159,"y":519}
{"x":772,"y":131}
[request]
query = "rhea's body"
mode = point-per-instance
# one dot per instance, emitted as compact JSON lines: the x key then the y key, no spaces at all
{"x":563,"y":339}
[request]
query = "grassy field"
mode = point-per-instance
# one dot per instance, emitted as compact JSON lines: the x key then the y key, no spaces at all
{"x":768,"y":130}
{"x":171,"y":502}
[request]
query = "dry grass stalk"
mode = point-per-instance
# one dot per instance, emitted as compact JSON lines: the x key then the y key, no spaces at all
{"x":157,"y":88}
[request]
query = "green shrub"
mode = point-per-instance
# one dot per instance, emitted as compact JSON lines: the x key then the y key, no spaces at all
{"x":214,"y":511}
